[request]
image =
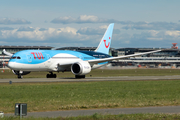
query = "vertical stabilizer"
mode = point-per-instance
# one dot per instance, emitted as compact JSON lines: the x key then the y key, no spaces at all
{"x":105,"y":43}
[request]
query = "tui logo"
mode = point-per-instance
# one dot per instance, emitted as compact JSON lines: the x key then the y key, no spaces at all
{"x":108,"y":43}
{"x":38,"y":55}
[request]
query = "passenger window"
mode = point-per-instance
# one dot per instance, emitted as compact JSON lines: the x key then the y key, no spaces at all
{"x":18,"y":57}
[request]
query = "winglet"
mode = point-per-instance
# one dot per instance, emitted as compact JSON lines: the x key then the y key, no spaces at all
{"x":105,"y":43}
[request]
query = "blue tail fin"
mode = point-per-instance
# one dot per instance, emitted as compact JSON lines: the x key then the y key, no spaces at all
{"x":105,"y":43}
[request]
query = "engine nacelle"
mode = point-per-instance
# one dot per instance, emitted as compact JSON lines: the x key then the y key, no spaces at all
{"x":81,"y":68}
{"x":20,"y":72}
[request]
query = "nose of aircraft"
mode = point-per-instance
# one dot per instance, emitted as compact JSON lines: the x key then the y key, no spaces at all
{"x":11,"y":65}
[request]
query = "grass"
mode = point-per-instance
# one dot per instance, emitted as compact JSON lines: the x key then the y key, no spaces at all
{"x":109,"y":117}
{"x":99,"y":73}
{"x":88,"y":95}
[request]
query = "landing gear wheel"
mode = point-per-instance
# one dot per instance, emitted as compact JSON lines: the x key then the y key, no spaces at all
{"x":20,"y":77}
{"x":79,"y":76}
{"x":48,"y":76}
{"x":51,"y":75}
{"x":54,"y":76}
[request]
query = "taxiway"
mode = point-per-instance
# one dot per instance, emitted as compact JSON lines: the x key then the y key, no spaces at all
{"x":91,"y":79}
{"x":113,"y":111}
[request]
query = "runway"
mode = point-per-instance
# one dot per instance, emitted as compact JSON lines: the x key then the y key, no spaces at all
{"x":91,"y":79}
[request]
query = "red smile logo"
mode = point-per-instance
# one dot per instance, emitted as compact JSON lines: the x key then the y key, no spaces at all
{"x":108,"y":43}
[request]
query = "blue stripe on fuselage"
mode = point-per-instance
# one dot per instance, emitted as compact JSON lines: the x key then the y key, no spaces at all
{"x":40,"y":56}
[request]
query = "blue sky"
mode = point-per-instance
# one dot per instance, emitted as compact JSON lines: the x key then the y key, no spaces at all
{"x":82,"y":23}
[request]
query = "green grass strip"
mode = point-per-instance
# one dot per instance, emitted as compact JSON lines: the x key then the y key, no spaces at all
{"x":88,"y":95}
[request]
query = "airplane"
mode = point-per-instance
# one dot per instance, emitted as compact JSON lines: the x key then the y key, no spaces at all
{"x":79,"y":63}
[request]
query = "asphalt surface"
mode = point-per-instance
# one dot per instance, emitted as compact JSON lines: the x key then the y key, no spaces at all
{"x":68,"y":113}
{"x":114,"y":111}
{"x":121,"y":78}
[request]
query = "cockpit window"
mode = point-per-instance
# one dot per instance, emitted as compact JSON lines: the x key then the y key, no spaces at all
{"x":14,"y":57}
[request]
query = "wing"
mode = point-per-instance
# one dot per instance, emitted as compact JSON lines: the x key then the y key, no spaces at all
{"x":95,"y":61}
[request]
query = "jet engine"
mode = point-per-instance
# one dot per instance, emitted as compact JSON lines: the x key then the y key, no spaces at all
{"x":20,"y":72}
{"x":81,"y":68}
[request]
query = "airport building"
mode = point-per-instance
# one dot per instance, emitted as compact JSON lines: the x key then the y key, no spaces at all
{"x":168,"y":58}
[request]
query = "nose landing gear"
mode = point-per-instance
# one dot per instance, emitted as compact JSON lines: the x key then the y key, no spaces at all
{"x":19,"y":76}
{"x":51,"y":75}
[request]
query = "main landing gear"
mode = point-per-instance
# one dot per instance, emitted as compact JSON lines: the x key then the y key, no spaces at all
{"x":79,"y":76}
{"x":51,"y":75}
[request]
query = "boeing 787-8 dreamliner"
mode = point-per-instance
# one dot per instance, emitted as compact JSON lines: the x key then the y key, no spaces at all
{"x":79,"y":63}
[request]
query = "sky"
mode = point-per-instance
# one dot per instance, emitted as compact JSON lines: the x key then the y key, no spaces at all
{"x":82,"y":23}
